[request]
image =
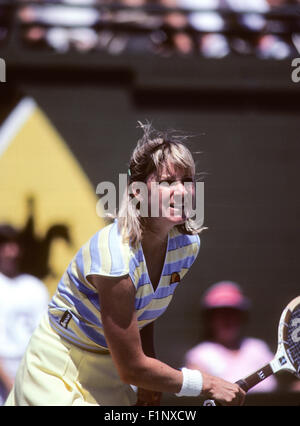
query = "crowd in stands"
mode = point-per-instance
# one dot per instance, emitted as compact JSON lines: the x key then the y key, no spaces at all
{"x":211,"y":28}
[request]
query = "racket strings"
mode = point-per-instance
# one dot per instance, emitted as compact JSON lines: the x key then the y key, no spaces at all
{"x":293,"y":337}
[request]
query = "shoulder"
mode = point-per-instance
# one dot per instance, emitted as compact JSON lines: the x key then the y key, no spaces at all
{"x":3,"y":279}
{"x":30,"y":280}
{"x":180,"y":240}
{"x":255,"y":343}
{"x":184,"y":246}
{"x":202,"y":351}
{"x":32,"y":284}
{"x":203,"y":347}
{"x":182,"y":250}
{"x":105,"y":253}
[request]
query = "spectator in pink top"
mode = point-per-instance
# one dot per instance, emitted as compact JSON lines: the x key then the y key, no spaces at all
{"x":226,"y":352}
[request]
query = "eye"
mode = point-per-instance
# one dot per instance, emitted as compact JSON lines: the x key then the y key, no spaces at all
{"x":187,"y":180}
{"x":168,"y":181}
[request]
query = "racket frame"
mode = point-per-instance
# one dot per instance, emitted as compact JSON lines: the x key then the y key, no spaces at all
{"x":282,"y":359}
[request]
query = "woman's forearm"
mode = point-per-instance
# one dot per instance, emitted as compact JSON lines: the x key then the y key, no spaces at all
{"x":150,"y":373}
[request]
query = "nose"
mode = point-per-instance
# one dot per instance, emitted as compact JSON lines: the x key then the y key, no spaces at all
{"x":180,"y":187}
{"x":179,"y":192}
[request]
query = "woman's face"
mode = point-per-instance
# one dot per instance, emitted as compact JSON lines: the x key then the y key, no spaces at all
{"x":171,"y":195}
{"x":226,"y":325}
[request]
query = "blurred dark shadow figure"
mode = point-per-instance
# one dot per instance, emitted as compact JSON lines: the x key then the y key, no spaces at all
{"x":35,"y":260}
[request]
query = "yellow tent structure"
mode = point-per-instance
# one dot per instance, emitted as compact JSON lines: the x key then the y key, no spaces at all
{"x":44,"y":190}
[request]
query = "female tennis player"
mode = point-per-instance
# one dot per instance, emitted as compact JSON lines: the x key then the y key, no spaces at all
{"x":95,"y":345}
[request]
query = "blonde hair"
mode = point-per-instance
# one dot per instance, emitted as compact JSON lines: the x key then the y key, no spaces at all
{"x":155,"y":152}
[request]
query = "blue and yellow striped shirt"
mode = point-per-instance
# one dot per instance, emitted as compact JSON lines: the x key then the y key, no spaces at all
{"x":75,"y":311}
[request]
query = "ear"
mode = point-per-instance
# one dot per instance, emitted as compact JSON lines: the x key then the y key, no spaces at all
{"x":138,"y":190}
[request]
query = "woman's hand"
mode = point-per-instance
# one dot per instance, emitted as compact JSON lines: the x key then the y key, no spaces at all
{"x":224,"y":392}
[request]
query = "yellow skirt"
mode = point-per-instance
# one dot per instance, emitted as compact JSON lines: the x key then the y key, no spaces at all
{"x":55,"y":372}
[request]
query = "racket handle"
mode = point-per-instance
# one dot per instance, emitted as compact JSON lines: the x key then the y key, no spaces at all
{"x":243,"y":385}
{"x":248,"y":382}
{"x":255,"y":378}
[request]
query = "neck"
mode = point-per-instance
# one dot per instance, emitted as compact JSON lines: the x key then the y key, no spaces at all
{"x":152,"y":240}
{"x":154,"y":237}
{"x":233,"y":345}
{"x":9,"y":273}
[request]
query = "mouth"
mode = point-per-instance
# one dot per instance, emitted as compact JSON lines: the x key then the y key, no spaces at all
{"x":176,"y":206}
{"x":176,"y":210}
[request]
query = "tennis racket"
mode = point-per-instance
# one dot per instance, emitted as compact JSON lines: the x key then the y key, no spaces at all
{"x":288,"y":350}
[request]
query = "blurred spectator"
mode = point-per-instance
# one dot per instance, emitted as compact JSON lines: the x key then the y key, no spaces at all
{"x":177,"y":38}
{"x":134,"y":12}
{"x":225,"y":351}
{"x":246,"y":27}
{"x":130,"y":28}
{"x":60,"y":39}
{"x":64,"y":39}
{"x":252,"y":20}
{"x":23,"y":300}
{"x":256,"y":30}
{"x":206,"y":19}
{"x":61,"y":26}
{"x":277,"y":43}
{"x":296,"y":30}
{"x":296,"y":41}
{"x":59,"y":15}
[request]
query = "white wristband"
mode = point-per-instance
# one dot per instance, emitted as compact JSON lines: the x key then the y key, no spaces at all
{"x":192,"y":383}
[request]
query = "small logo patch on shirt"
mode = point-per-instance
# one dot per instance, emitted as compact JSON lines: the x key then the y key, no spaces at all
{"x":175,"y":278}
{"x":65,"y":319}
